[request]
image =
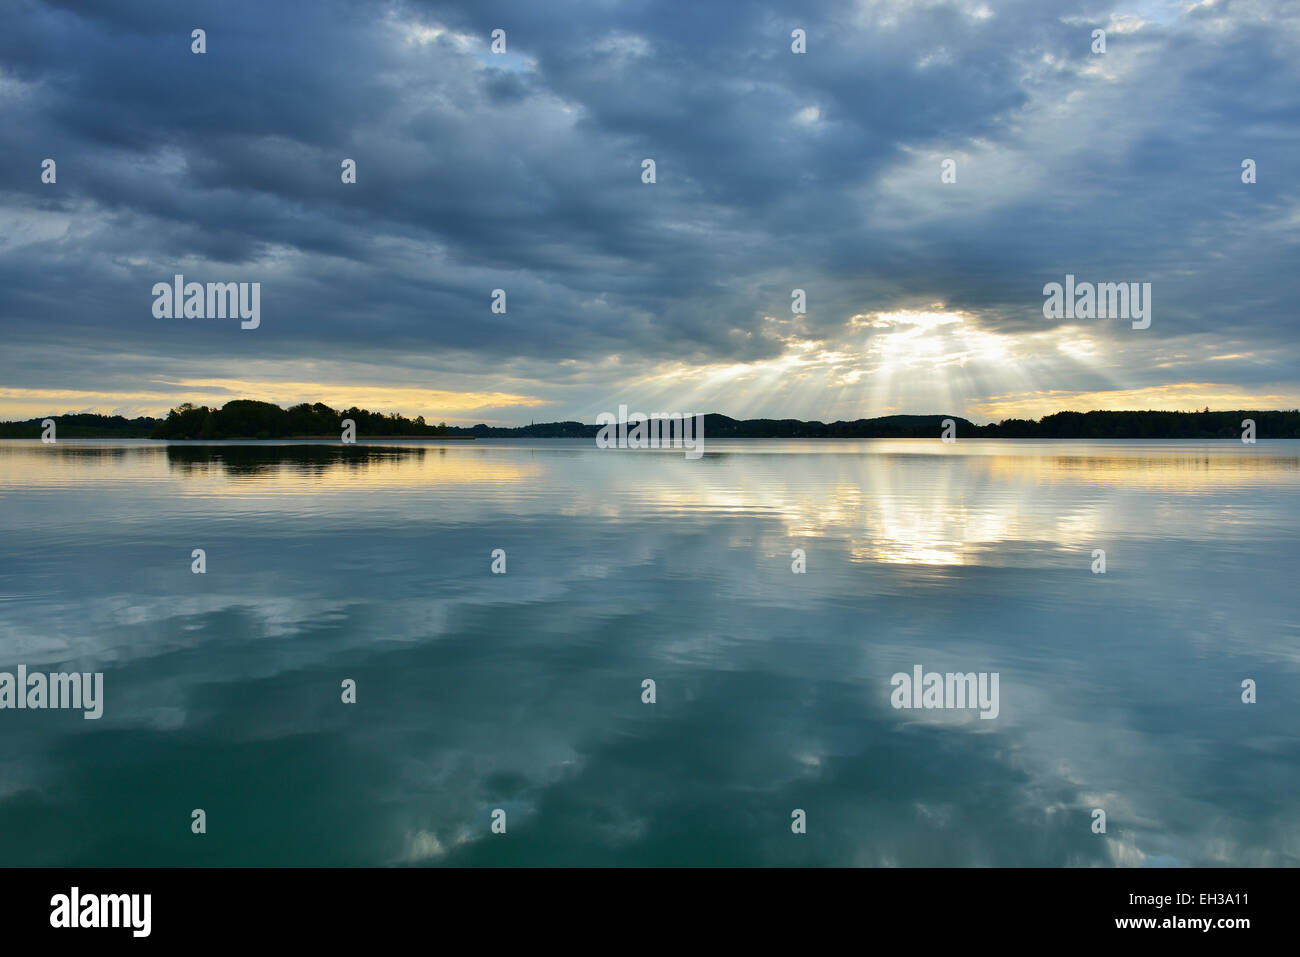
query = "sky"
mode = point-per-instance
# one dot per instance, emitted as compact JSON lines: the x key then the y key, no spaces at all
{"x":774,"y":171}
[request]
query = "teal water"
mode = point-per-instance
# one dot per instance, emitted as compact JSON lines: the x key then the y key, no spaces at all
{"x":523,"y":691}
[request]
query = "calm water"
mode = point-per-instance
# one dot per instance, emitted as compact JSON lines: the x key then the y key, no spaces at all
{"x":523,"y":691}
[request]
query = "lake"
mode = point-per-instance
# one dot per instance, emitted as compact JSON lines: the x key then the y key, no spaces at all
{"x":519,"y":698}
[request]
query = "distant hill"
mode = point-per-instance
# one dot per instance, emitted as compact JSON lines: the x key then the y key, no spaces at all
{"x":1060,"y":425}
{"x":248,"y":419}
{"x":718,"y":426}
{"x":1149,"y":424}
{"x":82,"y":425}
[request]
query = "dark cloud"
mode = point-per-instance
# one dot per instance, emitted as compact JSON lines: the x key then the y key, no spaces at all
{"x":522,"y":172}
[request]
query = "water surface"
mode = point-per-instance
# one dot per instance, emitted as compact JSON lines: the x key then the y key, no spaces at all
{"x":523,"y":691}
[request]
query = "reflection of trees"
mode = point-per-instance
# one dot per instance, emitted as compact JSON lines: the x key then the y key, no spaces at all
{"x":66,"y":450}
{"x":303,"y":459}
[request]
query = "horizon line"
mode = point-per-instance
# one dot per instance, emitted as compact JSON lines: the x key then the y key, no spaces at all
{"x":648,"y":416}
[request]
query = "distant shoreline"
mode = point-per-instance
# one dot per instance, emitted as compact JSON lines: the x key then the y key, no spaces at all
{"x":248,"y":420}
{"x":332,"y":441}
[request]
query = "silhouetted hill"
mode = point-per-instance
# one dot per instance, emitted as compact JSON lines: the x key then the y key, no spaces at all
{"x":1148,"y":425}
{"x":1060,"y":425}
{"x":82,"y":425}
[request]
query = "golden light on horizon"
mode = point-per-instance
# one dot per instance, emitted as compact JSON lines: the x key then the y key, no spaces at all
{"x":1178,"y":397}
{"x":162,"y":394}
{"x":912,"y":361}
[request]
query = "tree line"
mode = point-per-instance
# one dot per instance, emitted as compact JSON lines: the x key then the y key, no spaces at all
{"x":250,"y":419}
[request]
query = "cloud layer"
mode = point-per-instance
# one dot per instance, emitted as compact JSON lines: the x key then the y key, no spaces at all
{"x":775,"y":171}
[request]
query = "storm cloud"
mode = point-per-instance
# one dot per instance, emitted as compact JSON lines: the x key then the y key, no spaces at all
{"x":775,"y":171}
